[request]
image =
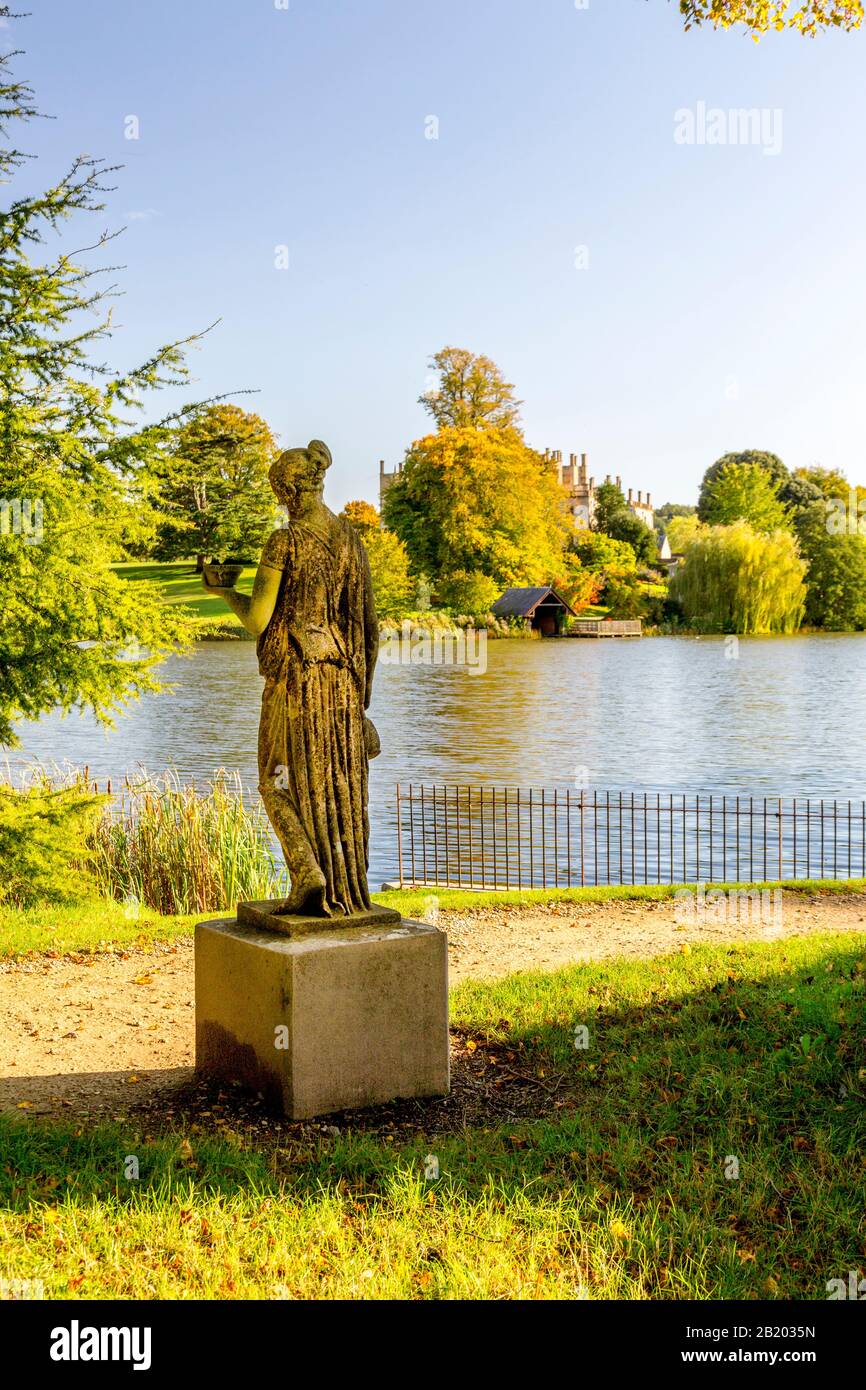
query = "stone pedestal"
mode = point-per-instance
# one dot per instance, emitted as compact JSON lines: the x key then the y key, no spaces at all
{"x":327,"y":1018}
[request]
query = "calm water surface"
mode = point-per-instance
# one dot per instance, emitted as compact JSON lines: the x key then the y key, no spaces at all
{"x":786,"y":716}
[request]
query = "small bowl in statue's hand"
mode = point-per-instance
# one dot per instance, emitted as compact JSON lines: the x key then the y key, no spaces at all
{"x":222,"y":576}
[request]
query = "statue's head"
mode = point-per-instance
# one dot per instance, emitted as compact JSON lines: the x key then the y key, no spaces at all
{"x":300,"y":473}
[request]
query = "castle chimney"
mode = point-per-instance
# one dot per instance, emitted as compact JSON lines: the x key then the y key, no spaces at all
{"x":648,"y":502}
{"x":607,"y":478}
{"x":592,"y":484}
{"x":640,"y":498}
{"x":381,"y":468}
{"x":619,"y":482}
{"x":630,"y":495}
{"x":583,"y":468}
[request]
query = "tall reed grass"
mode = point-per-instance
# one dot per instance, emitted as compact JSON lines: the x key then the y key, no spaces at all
{"x":179,"y":850}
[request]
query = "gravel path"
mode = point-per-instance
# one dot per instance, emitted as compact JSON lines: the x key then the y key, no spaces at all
{"x":105,"y":1034}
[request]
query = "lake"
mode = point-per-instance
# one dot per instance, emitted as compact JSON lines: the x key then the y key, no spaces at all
{"x":761,"y":716}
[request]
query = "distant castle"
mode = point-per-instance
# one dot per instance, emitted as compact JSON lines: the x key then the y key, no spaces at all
{"x":582,"y":490}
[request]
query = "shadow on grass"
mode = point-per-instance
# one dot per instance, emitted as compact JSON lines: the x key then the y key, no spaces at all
{"x":624,"y":1058}
{"x":710,"y":1133}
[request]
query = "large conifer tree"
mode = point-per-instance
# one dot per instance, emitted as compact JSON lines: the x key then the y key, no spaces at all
{"x":70,"y":449}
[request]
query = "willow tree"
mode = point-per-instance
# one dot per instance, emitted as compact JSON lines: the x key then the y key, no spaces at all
{"x":71,"y":630}
{"x":736,"y":579}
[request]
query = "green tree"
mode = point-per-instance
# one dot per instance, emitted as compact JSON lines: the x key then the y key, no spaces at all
{"x":616,"y":519}
{"x":471,"y":394}
{"x":603,"y":555}
{"x":609,"y":503}
{"x":744,"y":492}
{"x":470,"y":594}
{"x":393,"y":585}
{"x":629,"y":528}
{"x":72,"y":632}
{"x":829,"y":482}
{"x":212,"y":487}
{"x":736,"y":579}
{"x":771,"y":463}
{"x":669,"y":510}
{"x":477,"y":501}
{"x":836,"y":573}
{"x":798,"y":492}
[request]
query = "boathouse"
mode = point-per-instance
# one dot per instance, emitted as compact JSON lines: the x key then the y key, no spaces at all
{"x":541,"y":609}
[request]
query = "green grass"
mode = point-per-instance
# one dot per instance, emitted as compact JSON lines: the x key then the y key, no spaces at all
{"x":179,"y":584}
{"x":415,"y":901}
{"x":754,"y":1053}
{"x":94,"y":924}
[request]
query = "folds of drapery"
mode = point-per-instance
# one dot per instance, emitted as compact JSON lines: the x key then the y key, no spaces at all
{"x":312,"y":745}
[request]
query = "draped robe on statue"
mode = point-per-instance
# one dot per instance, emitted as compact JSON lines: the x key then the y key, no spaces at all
{"x":317,"y":656}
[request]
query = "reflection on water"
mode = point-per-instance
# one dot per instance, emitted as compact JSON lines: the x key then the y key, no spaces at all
{"x":660,"y":714}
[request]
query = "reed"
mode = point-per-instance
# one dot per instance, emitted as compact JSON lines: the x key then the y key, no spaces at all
{"x":172,"y":847}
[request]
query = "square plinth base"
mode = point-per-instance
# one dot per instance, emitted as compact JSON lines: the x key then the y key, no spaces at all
{"x":330,"y":1020}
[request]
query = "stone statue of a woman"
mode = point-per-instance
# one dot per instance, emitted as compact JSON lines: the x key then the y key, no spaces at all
{"x":312,"y":611}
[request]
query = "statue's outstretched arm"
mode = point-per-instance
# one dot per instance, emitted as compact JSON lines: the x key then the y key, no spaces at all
{"x":255,"y":610}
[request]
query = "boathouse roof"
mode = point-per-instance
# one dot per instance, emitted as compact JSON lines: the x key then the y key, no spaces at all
{"x":522,"y":603}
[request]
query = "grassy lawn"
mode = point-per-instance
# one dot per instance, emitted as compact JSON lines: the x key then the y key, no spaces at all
{"x":95,"y":925}
{"x":415,"y":901}
{"x":179,"y":584}
{"x":696,"y":1063}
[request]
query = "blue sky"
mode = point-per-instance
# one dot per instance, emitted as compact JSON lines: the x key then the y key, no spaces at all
{"x":722,"y":306}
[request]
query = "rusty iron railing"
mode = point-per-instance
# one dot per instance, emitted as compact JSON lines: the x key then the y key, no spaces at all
{"x":517,"y":837}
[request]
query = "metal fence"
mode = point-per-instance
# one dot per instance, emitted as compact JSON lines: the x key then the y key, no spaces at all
{"x":518,"y":837}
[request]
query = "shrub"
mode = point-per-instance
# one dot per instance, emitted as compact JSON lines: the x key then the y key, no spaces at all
{"x":44,"y":835}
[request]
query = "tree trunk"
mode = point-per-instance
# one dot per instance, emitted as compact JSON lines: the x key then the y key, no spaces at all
{"x":199,"y":564}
